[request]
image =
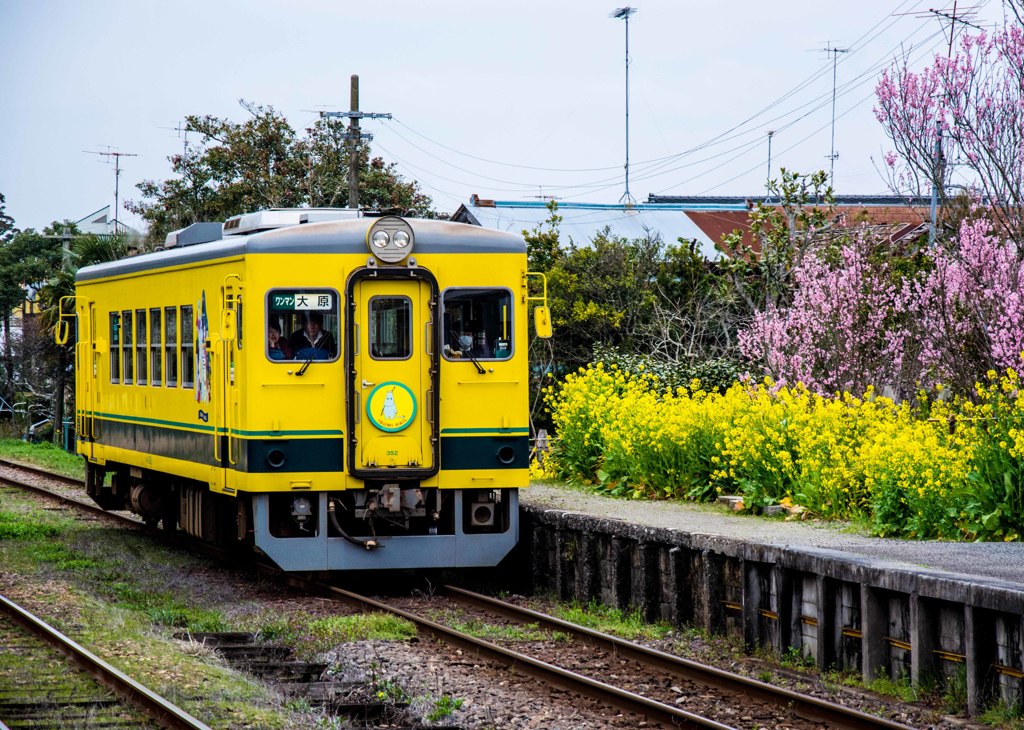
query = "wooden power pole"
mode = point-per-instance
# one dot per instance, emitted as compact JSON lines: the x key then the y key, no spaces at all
{"x":354,"y":136}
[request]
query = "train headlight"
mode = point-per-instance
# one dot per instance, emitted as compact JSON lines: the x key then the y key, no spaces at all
{"x":390,"y":239}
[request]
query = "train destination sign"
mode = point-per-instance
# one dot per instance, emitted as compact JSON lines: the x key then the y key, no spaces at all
{"x":302,"y":301}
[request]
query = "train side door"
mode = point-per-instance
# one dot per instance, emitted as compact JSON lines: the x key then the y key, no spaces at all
{"x":393,"y":376}
{"x":87,"y":366}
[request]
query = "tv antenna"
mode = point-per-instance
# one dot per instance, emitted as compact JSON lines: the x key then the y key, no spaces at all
{"x":623,"y":14}
{"x":954,"y":15}
{"x":117,"y":175}
{"x":833,"y":155}
{"x":181,"y":129}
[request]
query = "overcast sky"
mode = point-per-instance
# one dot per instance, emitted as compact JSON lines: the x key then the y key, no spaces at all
{"x":508,"y":100}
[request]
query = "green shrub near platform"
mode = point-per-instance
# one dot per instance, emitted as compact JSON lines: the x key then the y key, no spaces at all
{"x":930,"y":468}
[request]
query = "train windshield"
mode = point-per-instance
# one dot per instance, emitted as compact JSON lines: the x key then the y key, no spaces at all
{"x":302,"y":324}
{"x":477,"y":323}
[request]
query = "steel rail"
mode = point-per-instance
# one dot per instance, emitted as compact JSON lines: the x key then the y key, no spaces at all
{"x":62,"y":499}
{"x":163,"y":712}
{"x":70,"y":481}
{"x":571,"y":681}
{"x":807,"y":707}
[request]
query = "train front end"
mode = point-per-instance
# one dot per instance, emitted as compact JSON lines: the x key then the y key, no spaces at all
{"x":388,"y":427}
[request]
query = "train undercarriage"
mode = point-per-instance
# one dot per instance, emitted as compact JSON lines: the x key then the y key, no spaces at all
{"x":388,"y":524}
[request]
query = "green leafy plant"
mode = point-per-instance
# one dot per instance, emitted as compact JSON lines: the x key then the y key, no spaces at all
{"x":444,"y":707}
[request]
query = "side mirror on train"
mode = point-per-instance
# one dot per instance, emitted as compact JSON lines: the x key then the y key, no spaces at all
{"x":542,"y":322}
{"x":62,"y":332}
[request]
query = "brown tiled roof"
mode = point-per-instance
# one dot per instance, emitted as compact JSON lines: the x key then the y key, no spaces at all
{"x":717,"y":224}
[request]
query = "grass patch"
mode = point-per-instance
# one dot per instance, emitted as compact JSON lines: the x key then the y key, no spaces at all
{"x":312,"y":637}
{"x":899,"y":688}
{"x":115,"y":592}
{"x":166,"y":610}
{"x":45,"y":455}
{"x":496,"y":632}
{"x":1002,"y":715}
{"x":794,"y":658}
{"x":59,"y":556}
{"x":31,"y":535}
{"x":628,"y":625}
{"x":32,"y":525}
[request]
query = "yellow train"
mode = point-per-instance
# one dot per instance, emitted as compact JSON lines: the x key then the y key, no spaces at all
{"x":337,"y":390}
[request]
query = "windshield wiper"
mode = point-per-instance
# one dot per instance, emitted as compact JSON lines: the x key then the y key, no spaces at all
{"x":309,"y":360}
{"x":466,"y":353}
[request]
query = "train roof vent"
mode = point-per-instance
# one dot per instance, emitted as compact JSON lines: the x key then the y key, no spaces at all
{"x":265,"y":220}
{"x":193,"y":234}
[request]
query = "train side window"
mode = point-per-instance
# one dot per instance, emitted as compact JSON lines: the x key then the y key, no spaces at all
{"x":141,"y":347}
{"x":477,"y":323}
{"x":156,"y":348}
{"x":126,"y":347}
{"x":390,"y":325}
{"x":171,"y":345}
{"x":188,"y":362}
{"x":115,"y":347}
{"x":302,"y":324}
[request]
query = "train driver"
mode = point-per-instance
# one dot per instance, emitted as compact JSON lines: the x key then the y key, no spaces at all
{"x":312,"y":342}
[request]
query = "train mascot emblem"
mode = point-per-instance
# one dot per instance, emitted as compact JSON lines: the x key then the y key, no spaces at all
{"x":391,"y":406}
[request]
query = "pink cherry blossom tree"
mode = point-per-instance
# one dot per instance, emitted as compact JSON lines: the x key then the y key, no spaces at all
{"x":974,"y":99}
{"x":842,"y":330}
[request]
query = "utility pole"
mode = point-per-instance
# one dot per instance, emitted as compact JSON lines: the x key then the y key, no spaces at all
{"x":117,"y":177}
{"x":623,"y":14}
{"x":768,"y":179}
{"x":833,"y":156}
{"x":937,"y":173}
{"x":353,"y":137}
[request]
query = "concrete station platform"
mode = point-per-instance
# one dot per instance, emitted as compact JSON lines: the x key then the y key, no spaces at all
{"x":921,"y":609}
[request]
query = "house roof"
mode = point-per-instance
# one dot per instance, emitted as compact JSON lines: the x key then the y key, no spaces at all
{"x":701,"y":219}
{"x":100,"y":223}
{"x":582,"y":221}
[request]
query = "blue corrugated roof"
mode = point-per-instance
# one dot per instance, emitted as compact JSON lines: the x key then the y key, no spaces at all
{"x":582,"y":221}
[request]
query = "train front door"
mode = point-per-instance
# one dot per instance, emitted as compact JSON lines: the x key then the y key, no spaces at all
{"x":393,"y":375}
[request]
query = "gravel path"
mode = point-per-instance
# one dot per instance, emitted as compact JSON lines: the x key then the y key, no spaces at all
{"x":1002,"y":561}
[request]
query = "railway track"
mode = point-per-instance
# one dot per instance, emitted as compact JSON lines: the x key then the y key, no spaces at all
{"x":618,"y":673}
{"x":39,"y":692}
{"x":625,"y":675}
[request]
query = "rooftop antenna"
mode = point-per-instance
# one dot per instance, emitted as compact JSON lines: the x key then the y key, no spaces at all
{"x":623,"y":14}
{"x":953,"y":15}
{"x":182,"y":130}
{"x":833,"y":156}
{"x":117,"y":176}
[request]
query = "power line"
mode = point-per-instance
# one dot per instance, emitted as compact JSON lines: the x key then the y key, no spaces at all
{"x":655,"y":167}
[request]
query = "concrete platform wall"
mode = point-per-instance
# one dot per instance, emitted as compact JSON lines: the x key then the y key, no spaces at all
{"x":843,"y":611}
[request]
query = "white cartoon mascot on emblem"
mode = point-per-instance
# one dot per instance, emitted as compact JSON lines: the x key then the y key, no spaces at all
{"x":389,"y":411}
